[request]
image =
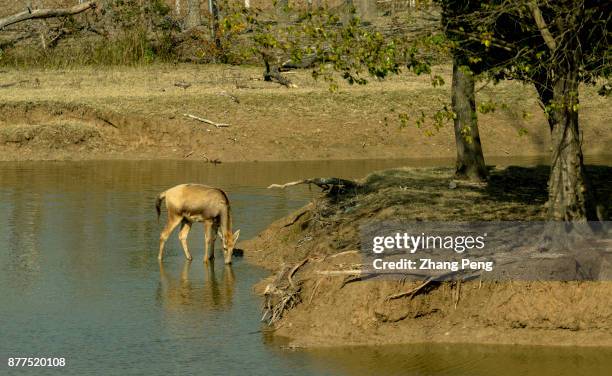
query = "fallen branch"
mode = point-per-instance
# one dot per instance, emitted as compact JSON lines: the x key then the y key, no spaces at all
{"x":327,"y":184}
{"x":338,"y":272}
{"x":218,"y":125}
{"x":272,"y":72}
{"x":29,"y":14}
{"x":344,"y":253}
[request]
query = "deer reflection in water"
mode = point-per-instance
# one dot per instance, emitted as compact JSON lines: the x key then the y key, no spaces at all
{"x":184,"y":294}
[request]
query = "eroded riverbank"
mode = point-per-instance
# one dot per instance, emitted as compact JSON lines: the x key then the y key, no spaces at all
{"x":335,"y":309}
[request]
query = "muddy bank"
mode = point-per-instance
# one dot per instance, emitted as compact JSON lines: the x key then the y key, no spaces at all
{"x":139,"y":113}
{"x":343,"y":309}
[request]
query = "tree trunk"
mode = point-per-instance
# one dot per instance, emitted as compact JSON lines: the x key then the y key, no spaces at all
{"x":569,"y":196}
{"x":214,"y":29}
{"x":45,"y":13}
{"x":470,"y":161}
{"x":194,"y":17}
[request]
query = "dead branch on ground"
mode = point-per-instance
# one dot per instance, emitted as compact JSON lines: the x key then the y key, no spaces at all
{"x":272,"y":72}
{"x":30,"y":14}
{"x":326,"y":184}
{"x":218,"y":125}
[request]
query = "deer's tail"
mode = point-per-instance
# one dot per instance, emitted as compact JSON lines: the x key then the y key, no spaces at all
{"x":158,"y":202}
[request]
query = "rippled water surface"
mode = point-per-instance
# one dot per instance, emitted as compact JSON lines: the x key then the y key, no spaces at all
{"x":79,"y":279}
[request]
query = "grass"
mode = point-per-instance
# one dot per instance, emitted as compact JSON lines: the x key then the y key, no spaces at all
{"x":127,"y":48}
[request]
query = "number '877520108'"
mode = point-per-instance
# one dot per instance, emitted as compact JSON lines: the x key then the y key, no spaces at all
{"x":36,"y":362}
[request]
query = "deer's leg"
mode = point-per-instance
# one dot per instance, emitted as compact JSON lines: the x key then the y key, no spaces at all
{"x":173,"y":221}
{"x":185,"y":227}
{"x":209,"y":246}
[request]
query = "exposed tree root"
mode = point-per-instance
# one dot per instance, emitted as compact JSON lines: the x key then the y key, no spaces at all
{"x":282,"y":294}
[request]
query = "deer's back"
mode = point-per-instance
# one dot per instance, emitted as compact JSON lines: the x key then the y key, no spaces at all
{"x":196,"y":202}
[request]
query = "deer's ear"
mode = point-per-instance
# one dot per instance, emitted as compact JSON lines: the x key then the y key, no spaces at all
{"x":220,"y":234}
{"x":236,"y":235}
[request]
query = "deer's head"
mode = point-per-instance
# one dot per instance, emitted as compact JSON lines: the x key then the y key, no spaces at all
{"x":229,"y":241}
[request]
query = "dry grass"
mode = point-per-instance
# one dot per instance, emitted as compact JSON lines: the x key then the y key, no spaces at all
{"x":275,"y":123}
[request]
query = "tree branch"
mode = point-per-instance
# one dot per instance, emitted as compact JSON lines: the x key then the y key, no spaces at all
{"x":45,"y":13}
{"x":539,"y":20}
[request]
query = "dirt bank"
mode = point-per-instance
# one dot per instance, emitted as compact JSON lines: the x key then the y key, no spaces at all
{"x":343,"y":309}
{"x":138,"y":113}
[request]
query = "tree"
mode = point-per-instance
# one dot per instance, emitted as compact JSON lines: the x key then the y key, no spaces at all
{"x":556,"y":45}
{"x":194,"y":17}
{"x":324,"y":38}
{"x":470,"y":162}
{"x":213,"y":8}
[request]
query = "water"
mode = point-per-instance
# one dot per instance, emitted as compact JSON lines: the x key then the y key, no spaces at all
{"x":79,"y":279}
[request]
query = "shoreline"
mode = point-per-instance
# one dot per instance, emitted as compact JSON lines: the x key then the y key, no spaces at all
{"x":491,"y":160}
{"x":337,"y":310}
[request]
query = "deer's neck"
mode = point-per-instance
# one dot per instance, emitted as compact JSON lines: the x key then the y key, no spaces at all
{"x":226,"y":221}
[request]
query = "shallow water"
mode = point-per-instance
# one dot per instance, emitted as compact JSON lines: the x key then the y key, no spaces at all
{"x":79,"y":279}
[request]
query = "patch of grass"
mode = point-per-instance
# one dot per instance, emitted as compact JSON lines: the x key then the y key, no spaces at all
{"x":128,"y":47}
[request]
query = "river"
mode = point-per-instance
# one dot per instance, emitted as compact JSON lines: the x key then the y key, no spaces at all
{"x":79,"y":279}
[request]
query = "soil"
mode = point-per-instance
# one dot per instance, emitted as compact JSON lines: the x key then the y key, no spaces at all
{"x":139,"y":113}
{"x":342,"y":309}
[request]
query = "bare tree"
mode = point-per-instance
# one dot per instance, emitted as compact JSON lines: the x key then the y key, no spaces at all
{"x":194,"y":18}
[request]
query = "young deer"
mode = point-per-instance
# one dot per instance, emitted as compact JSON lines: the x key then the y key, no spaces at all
{"x":188,"y":203}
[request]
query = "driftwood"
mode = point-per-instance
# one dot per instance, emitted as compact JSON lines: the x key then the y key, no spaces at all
{"x":218,"y":125}
{"x":30,"y":14}
{"x":326,"y":184}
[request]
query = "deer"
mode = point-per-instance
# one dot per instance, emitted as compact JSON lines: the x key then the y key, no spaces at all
{"x":189,"y":203}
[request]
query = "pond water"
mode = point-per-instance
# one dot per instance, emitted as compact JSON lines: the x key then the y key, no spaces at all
{"x":79,"y":279}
